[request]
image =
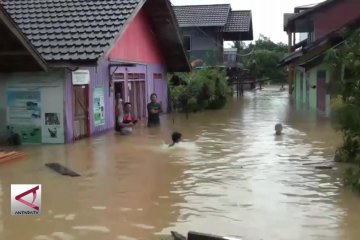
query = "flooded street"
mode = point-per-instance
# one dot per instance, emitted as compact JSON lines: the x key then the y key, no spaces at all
{"x":231,"y":176}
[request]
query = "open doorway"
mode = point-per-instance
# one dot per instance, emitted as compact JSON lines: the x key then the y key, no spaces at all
{"x":81,"y":111}
{"x":119,"y":92}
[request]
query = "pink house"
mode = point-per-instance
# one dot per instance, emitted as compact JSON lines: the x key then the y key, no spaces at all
{"x":93,"y":51}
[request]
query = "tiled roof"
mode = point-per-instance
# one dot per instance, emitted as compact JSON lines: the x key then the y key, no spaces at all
{"x":239,"y":21}
{"x":202,"y":15}
{"x":70,"y":30}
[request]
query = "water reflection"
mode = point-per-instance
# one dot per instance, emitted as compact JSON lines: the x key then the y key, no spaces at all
{"x":231,"y":176}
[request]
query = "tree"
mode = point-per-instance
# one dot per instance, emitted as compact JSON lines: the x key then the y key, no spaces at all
{"x":346,"y":104}
{"x":262,"y":57}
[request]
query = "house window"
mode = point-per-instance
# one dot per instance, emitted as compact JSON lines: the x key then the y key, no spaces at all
{"x":187,"y":43}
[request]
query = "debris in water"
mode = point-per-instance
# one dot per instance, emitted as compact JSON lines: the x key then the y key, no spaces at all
{"x":62,"y":169}
{"x":323,"y":167}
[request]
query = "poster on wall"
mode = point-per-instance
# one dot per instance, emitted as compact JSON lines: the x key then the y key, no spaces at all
{"x":52,"y":125}
{"x":24,"y":114}
{"x":99,"y":108}
{"x":52,"y":115}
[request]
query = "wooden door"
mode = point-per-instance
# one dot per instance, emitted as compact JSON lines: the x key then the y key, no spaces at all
{"x":321,"y":90}
{"x":158,"y":85}
{"x":81,"y":111}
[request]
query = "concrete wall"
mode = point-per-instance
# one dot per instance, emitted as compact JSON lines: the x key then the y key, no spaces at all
{"x":51,"y":88}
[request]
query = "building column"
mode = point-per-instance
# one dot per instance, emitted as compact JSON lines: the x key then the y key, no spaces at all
{"x":290,"y":70}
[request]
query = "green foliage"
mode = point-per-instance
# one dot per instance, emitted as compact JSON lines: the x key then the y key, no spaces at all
{"x":206,"y":88}
{"x":352,"y":179}
{"x":346,"y":113}
{"x":264,"y":58}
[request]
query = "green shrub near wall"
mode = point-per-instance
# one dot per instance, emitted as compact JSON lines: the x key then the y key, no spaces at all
{"x":205,"y":88}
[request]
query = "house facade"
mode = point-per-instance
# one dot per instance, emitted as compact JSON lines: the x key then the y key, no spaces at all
{"x":206,"y":27}
{"x":309,"y":76}
{"x":94,"y":51}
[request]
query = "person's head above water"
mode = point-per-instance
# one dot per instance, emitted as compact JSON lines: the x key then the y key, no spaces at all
{"x":278,"y":129}
{"x":176,"y":137}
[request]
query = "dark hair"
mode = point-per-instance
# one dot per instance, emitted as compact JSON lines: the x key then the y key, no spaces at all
{"x":127,"y":103}
{"x":153,"y":94}
{"x":176,"y":136}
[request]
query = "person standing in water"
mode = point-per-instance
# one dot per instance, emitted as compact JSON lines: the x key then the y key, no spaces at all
{"x":154,"y":110}
{"x":127,"y":122}
{"x":278,"y":129}
{"x":119,"y":112}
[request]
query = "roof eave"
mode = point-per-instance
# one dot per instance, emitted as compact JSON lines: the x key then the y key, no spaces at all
{"x":167,"y":31}
{"x":13,"y":27}
{"x":306,"y":13}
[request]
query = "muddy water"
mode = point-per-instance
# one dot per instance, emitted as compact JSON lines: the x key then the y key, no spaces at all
{"x":232,"y":176}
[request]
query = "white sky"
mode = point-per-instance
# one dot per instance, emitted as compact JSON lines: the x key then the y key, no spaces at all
{"x":267,"y":14}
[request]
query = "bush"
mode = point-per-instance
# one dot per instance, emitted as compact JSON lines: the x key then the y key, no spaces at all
{"x":352,"y":179}
{"x":205,"y":88}
{"x":346,"y":106}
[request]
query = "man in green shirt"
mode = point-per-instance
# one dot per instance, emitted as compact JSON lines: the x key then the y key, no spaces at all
{"x":154,"y":110}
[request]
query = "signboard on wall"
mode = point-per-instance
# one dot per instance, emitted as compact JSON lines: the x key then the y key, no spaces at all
{"x":36,"y":115}
{"x":99,"y":106}
{"x":81,"y":77}
{"x":24,"y":113}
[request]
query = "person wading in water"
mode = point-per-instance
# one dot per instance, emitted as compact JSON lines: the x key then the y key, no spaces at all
{"x":176,"y":138}
{"x":126,"y":120}
{"x":154,"y":110}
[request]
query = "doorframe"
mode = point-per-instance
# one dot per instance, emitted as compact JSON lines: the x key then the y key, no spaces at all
{"x":87,"y":105}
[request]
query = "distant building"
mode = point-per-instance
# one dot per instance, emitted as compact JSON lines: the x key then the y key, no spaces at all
{"x":206,"y":27}
{"x":231,"y":57}
{"x":326,"y":25}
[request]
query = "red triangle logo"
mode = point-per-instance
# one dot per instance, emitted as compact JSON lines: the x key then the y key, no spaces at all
{"x":29,"y":204}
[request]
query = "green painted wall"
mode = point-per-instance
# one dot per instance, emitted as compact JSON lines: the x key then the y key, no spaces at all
{"x":311,"y":94}
{"x":297,"y":86}
{"x":312,"y":91}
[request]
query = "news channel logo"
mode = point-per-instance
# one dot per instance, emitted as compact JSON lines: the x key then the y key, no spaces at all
{"x":25,"y":199}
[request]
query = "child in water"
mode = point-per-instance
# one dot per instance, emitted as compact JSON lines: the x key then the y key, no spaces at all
{"x":278,"y":129}
{"x":176,"y":138}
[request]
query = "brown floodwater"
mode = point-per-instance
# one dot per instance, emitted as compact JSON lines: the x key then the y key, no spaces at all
{"x":231,"y":176}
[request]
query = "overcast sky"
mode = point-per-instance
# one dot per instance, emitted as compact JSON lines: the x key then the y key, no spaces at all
{"x":267,"y":14}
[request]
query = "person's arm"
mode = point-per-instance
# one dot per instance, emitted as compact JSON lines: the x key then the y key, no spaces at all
{"x":151,"y":110}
